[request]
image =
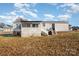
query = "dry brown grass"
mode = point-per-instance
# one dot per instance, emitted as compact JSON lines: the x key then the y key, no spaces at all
{"x":61,"y":44}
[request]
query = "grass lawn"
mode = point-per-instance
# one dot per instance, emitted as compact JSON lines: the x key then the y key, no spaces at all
{"x":64,"y":44}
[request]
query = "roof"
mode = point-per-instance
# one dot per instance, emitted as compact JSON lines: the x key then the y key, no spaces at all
{"x":47,"y":21}
{"x":23,"y":21}
{"x":7,"y":26}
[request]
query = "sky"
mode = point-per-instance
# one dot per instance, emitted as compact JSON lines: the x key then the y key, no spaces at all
{"x":40,"y":12}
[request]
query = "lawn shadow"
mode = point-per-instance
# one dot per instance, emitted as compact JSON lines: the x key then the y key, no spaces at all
{"x":7,"y":35}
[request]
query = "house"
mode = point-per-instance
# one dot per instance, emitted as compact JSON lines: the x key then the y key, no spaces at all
{"x":75,"y":28}
{"x":38,"y":28}
{"x":7,"y":28}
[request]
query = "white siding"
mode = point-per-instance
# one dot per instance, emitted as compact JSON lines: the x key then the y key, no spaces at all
{"x":36,"y":31}
{"x":61,"y":27}
{"x":47,"y":26}
{"x":30,"y":32}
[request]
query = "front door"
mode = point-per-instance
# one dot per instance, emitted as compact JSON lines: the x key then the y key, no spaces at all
{"x":53,"y":28}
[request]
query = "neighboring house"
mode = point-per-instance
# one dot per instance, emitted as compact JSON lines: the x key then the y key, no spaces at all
{"x":7,"y":29}
{"x":38,"y":28}
{"x":75,"y":28}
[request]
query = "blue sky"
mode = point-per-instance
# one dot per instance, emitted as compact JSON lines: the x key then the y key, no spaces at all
{"x":40,"y":11}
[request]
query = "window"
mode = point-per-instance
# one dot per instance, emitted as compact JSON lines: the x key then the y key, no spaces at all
{"x":34,"y":25}
{"x":24,"y":25}
{"x":27,"y":25}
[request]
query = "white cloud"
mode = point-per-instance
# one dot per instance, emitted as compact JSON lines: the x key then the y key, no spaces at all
{"x":66,"y":5}
{"x":20,"y":10}
{"x":12,"y":13}
{"x":21,"y":5}
{"x":18,"y":5}
{"x":27,"y":5}
{"x":31,"y":13}
{"x":7,"y":17}
{"x":64,"y":17}
{"x":71,"y":7}
{"x":10,"y":18}
{"x":35,"y":10}
{"x":26,"y":10}
{"x":29,"y":19}
{"x":49,"y":16}
{"x":75,"y":8}
{"x":2,"y":16}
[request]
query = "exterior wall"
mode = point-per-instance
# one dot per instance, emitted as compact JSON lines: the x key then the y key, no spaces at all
{"x":61,"y":27}
{"x":26,"y":32}
{"x":36,"y":31}
{"x":47,"y":26}
{"x":31,"y":31}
